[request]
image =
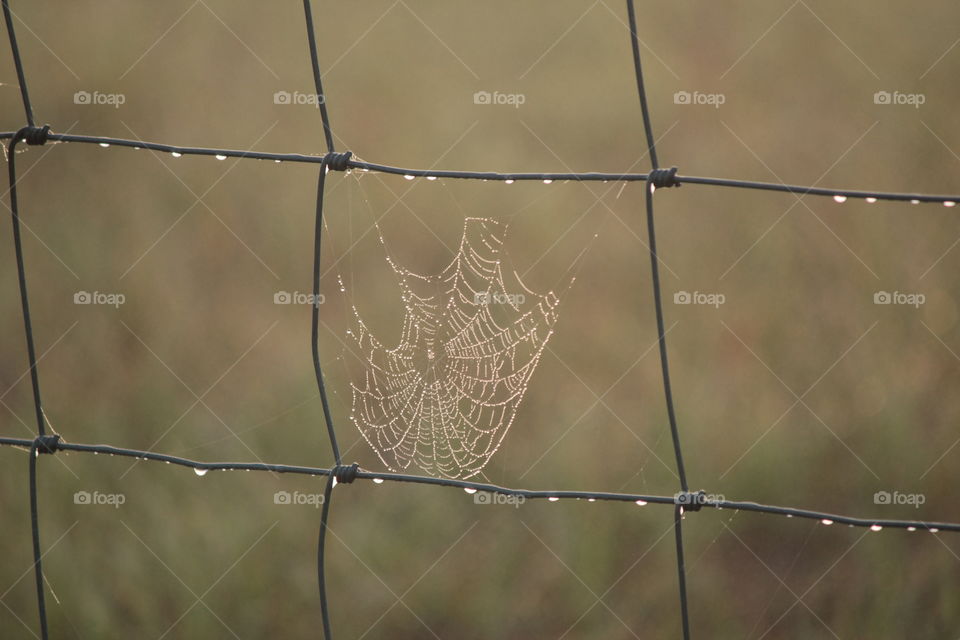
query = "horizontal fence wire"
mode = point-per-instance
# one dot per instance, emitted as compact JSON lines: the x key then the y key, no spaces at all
{"x":683,"y":501}
{"x":501,"y":176}
{"x":557,"y":495}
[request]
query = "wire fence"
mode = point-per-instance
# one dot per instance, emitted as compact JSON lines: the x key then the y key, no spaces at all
{"x":683,"y":501}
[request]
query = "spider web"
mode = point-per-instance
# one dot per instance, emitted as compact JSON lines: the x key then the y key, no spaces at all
{"x":446,"y":395}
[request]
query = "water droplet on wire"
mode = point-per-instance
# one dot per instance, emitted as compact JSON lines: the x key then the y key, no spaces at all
{"x":431,"y":177}
{"x":876,"y":527}
{"x":553,"y":498}
{"x":408,"y":177}
{"x":547,"y":181}
{"x":220,"y":156}
{"x":949,"y":203}
{"x":508,"y":181}
{"x":840,"y":199}
{"x":104,"y":145}
{"x":641,"y":503}
{"x":200,"y":472}
{"x":176,"y":154}
{"x":378,"y":480}
{"x":470,"y":490}
{"x":911,"y":528}
{"x":871,"y":200}
{"x":914,"y":202}
{"x":826,"y":521}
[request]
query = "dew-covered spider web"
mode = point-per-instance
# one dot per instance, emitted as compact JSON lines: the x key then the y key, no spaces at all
{"x":445,"y":396}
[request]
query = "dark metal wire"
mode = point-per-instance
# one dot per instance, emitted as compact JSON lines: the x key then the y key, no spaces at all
{"x":471,"y":486}
{"x":32,"y":135}
{"x":35,"y":534}
{"x":668,"y":395}
{"x":638,"y":69}
{"x":499,"y":176}
{"x":314,"y":343}
{"x":321,"y":554}
{"x":22,"y":278}
{"x":315,"y":314}
{"x":661,"y":332}
{"x":337,"y":162}
{"x":318,"y":83}
{"x":656,"y":176}
{"x":681,"y":569}
{"x":21,"y":77}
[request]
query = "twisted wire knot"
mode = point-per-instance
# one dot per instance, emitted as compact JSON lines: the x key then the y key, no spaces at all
{"x":338,"y":161}
{"x":663,"y":178}
{"x":33,"y":135}
{"x":345,"y":473}
{"x":47,"y":444}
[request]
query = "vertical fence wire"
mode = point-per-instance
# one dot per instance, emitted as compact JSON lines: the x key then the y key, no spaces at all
{"x":317,"y":80}
{"x":649,"y":189}
{"x":33,"y":136}
{"x":17,"y":62}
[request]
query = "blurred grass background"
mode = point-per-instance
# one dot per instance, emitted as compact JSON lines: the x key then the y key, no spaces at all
{"x":199,"y":350}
